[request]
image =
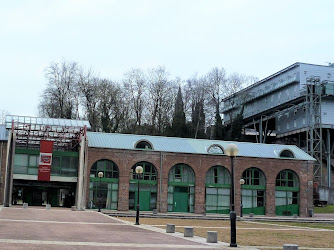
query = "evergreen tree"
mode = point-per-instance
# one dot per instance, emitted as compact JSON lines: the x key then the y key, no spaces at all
{"x":219,"y":129}
{"x":198,"y":120}
{"x":179,"y":128}
{"x":237,"y":125}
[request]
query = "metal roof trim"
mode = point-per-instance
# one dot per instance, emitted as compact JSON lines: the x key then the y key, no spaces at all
{"x":193,"y":146}
{"x":46,"y":121}
{"x":3,"y":133}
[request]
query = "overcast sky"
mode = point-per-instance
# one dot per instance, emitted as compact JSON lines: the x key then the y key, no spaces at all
{"x":253,"y":37}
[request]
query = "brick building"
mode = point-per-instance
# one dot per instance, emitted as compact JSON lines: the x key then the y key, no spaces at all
{"x":192,"y":175}
{"x":179,"y":174}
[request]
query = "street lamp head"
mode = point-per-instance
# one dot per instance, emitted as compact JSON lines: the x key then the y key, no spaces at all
{"x":231,"y":150}
{"x":100,"y":174}
{"x":242,"y":181}
{"x":139,"y":169}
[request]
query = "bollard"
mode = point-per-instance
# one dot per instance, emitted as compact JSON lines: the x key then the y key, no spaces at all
{"x":155,"y":211}
{"x":211,"y":237}
{"x":290,"y":247}
{"x":25,"y":205}
{"x":170,"y":228}
{"x":188,"y":232}
{"x":48,"y":206}
{"x":251,"y":215}
{"x":311,"y":212}
{"x":74,"y":208}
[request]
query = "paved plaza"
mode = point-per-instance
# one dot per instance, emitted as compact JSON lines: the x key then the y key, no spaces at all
{"x":56,"y":228}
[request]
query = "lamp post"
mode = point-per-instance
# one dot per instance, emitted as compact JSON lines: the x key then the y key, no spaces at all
{"x":100,"y":175}
{"x":232,"y":150}
{"x":242,"y":182}
{"x":139,"y":171}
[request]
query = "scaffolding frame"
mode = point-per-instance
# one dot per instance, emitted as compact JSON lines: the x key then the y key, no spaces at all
{"x":29,"y":131}
{"x":314,"y":139}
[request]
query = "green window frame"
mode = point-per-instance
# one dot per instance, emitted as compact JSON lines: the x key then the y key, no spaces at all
{"x":106,"y":187}
{"x":148,"y":186}
{"x":65,"y":164}
{"x":254,"y":177}
{"x":26,"y":164}
{"x":181,"y":173}
{"x":108,"y":167}
{"x":181,"y":177}
{"x":108,"y":192}
{"x":287,"y":193}
{"x":217,"y":190}
{"x":253,"y":191}
{"x":149,"y":171}
{"x":288,"y":179}
{"x":191,"y":197}
{"x":218,"y":175}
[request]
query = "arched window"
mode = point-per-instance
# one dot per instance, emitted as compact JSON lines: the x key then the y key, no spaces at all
{"x":143,"y":144}
{"x":181,"y":189}
{"x":253,"y":191}
{"x":254,"y":177}
{"x":215,"y":149}
{"x":287,"y":193}
{"x":148,"y":187}
{"x":287,"y":178}
{"x":217,"y":190}
{"x":149,"y":171}
{"x":109,"y":169}
{"x":103,"y":191}
{"x":218,"y":175}
{"x":286,"y":153}
{"x":181,"y":173}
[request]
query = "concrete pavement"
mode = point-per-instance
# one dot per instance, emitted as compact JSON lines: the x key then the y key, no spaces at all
{"x":40,"y":228}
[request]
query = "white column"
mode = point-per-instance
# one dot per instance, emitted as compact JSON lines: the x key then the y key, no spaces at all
{"x":80,"y":196}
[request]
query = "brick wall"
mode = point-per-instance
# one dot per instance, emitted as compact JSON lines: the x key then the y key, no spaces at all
{"x":126,"y":159}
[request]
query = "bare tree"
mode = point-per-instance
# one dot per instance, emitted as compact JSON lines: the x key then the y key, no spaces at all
{"x":88,"y":87}
{"x":112,"y":107}
{"x":161,"y":93}
{"x":59,"y":99}
{"x":197,"y":96}
{"x":134,"y":84}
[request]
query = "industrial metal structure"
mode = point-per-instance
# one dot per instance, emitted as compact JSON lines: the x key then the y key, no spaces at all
{"x":24,"y":161}
{"x":292,"y":106}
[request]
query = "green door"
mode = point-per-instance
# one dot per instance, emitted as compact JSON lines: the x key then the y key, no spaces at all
{"x":144,"y":200}
{"x":181,"y":199}
{"x":287,"y":203}
{"x":54,"y":197}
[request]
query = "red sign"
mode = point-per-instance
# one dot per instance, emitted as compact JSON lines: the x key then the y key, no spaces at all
{"x":45,"y":160}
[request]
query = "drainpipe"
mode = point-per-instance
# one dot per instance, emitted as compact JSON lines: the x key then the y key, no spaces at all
{"x":160,"y":179}
{"x":1,"y":154}
{"x":329,"y":158}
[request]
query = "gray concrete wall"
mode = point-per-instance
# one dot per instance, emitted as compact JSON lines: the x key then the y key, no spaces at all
{"x":326,"y":194}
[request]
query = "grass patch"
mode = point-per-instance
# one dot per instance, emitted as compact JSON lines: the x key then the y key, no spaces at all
{"x":299,"y":224}
{"x":329,"y":209}
{"x":267,"y":235}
